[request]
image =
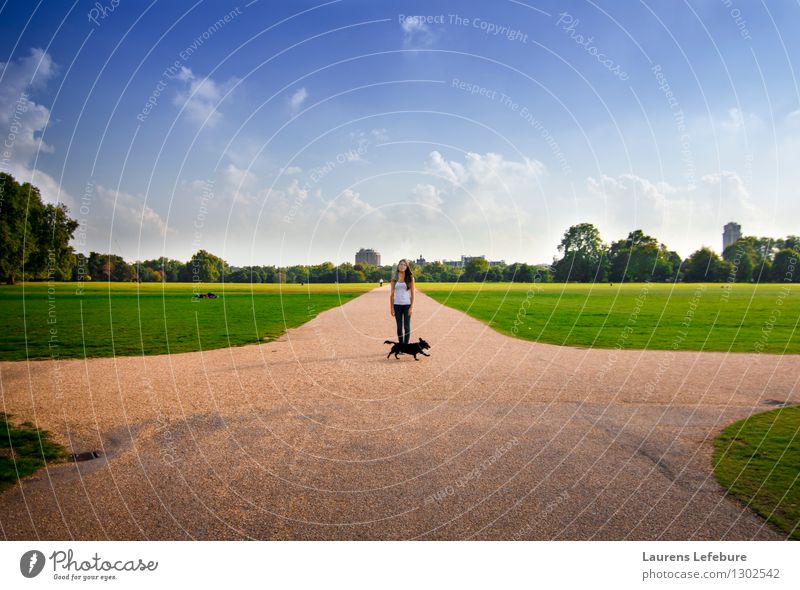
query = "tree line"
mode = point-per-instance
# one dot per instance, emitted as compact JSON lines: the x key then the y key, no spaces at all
{"x":639,"y":258}
{"x":35,"y":238}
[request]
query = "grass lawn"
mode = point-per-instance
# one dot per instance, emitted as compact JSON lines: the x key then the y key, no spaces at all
{"x":740,"y":318}
{"x":107,"y":319}
{"x":24,"y":450}
{"x":758,"y":460}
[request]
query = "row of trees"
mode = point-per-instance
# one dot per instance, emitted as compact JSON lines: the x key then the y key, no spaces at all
{"x":585,"y":258}
{"x":35,"y":245}
{"x":208,"y":268}
{"x":639,"y":257}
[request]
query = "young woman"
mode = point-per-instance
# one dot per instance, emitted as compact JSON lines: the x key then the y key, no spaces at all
{"x":401,"y":300}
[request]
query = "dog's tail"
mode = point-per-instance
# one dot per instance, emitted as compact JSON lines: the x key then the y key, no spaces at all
{"x":389,"y":342}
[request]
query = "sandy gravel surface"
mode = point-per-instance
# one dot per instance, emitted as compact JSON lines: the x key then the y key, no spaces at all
{"x":319,"y":436}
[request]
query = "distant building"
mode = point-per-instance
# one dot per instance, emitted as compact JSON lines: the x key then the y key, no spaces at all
{"x":732,"y":232}
{"x":368,"y":256}
{"x":420,"y":261}
{"x":458,"y":263}
{"x":465,"y":260}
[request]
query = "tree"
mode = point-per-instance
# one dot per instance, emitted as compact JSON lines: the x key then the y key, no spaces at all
{"x":639,"y":258}
{"x":167,"y":269}
{"x":764,"y":247}
{"x":584,"y":255}
{"x":51,"y":230}
{"x":704,"y":265}
{"x":205,"y":267}
{"x":519,"y":272}
{"x":13,"y":228}
{"x":743,"y":258}
{"x":785,"y":268}
{"x":109,"y":267}
{"x":145,"y":274}
{"x":495,"y":274}
{"x":543,"y":273}
{"x":475,"y":270}
{"x":35,"y":236}
{"x":790,"y":243}
{"x":676,"y":263}
{"x":323,"y":273}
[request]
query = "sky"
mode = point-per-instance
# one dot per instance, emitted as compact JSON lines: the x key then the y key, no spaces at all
{"x":295,"y":132}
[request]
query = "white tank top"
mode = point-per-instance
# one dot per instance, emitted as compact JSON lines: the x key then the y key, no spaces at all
{"x":402,"y":296}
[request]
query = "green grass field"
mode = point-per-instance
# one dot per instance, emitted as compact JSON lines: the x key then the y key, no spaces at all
{"x":740,"y":318}
{"x":152,"y":318}
{"x":24,"y":449}
{"x":758,"y":460}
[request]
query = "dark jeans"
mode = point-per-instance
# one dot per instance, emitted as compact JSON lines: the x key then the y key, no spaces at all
{"x":403,"y":322}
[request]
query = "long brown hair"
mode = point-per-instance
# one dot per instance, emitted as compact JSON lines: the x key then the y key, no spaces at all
{"x":408,"y":276}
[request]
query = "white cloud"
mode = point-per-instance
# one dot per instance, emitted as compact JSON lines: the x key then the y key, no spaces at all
{"x":477,"y":203}
{"x":379,"y":134}
{"x":451,"y":171}
{"x":427,"y":201}
{"x":23,"y":121}
{"x":364,"y":141}
{"x":137,"y":230}
{"x":416,"y":34}
{"x":792,"y":120}
{"x":739,"y":122}
{"x":290,"y":170}
{"x":488,"y":173}
{"x":297,"y":99}
{"x":346,"y":206}
{"x":627,"y":202}
{"x":485,"y":203}
{"x":676,"y":215}
{"x":427,"y":195}
{"x":239,"y":177}
{"x":730,"y":190}
{"x":185,"y":74}
{"x":201,"y":100}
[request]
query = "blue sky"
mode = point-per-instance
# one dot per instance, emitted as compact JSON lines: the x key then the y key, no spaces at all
{"x":297,"y":132}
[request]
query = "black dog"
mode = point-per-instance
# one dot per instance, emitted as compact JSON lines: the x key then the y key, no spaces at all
{"x":413,"y":348}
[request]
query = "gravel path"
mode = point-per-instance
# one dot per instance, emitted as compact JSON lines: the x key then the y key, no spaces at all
{"x":319,"y":436}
